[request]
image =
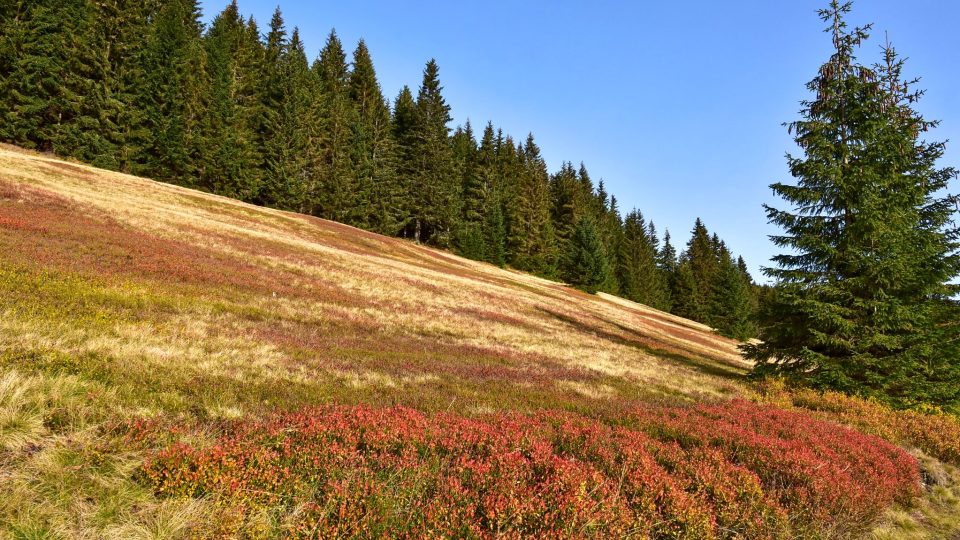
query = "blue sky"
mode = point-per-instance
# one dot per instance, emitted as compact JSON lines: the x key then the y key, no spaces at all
{"x":677,"y":106}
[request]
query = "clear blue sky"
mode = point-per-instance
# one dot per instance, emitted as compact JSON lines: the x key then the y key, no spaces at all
{"x":677,"y":106}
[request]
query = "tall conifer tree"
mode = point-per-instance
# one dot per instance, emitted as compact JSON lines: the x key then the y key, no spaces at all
{"x":232,"y":158}
{"x":403,"y":129}
{"x":291,"y":126}
{"x":335,"y":195}
{"x":489,"y":189}
{"x":437,"y":191}
{"x":373,"y":161}
{"x":585,"y":262}
{"x":639,"y":277}
{"x":533,"y":245}
{"x":863,"y":299}
{"x":173,"y":96}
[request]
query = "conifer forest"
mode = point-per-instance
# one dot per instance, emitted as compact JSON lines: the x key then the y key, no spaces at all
{"x":245,"y":293}
{"x":242,"y":111}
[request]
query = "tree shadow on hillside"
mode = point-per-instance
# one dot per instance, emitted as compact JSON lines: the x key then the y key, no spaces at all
{"x":636,"y":340}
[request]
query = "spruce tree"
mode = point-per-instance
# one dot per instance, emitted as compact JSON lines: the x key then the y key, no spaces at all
{"x":437,"y":191}
{"x":232,"y":144}
{"x":54,"y":94}
{"x":585,"y":261}
{"x":334,"y":192}
{"x":731,"y":309}
{"x":173,"y":96}
{"x":469,"y":240}
{"x":863,"y":301}
{"x":403,"y":129}
{"x":373,"y":160}
{"x":489,"y":189}
{"x":639,"y":277}
{"x":696,"y":272}
{"x":509,"y":173}
{"x":533,"y":244}
{"x":273,"y":92}
{"x":611,"y":233}
{"x":566,"y":203}
{"x":667,"y":256}
{"x":291,"y":125}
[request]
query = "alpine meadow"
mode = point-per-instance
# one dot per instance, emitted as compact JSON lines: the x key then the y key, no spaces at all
{"x":246,"y":294}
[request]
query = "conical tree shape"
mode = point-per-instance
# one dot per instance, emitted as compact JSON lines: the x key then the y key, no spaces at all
{"x":640,"y":279}
{"x":731,"y":309}
{"x":288,"y":148}
{"x":585,"y":260}
{"x":373,"y":160}
{"x":532,"y":240}
{"x":403,"y":129}
{"x":437,"y":192}
{"x":469,"y":240}
{"x":566,"y":201}
{"x":863,"y":299}
{"x":335,"y":194}
{"x":693,"y":296}
{"x":483,"y":199}
{"x":232,"y":157}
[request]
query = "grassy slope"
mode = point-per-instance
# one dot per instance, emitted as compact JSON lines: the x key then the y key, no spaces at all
{"x":123,"y":297}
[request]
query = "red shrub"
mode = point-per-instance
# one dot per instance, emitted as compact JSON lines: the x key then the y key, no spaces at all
{"x":731,"y":470}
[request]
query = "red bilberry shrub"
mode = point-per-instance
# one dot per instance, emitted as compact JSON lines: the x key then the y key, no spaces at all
{"x":732,"y":470}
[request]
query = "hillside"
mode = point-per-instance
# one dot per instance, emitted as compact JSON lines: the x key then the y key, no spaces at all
{"x":325,"y":309}
{"x":144,"y":326}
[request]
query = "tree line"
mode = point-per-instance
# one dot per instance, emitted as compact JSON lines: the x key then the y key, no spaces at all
{"x":145,"y":88}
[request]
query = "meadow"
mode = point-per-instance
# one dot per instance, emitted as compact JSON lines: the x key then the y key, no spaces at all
{"x":178,"y":364}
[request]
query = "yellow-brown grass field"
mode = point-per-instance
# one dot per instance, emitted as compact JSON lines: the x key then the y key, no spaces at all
{"x":136,"y":316}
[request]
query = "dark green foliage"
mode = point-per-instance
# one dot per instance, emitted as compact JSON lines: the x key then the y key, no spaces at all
{"x":667,"y":256}
{"x":290,"y":125}
{"x":232,"y":160}
{"x":484,"y":198}
{"x":173,"y":96}
{"x":469,"y":240}
{"x":531,"y":242}
{"x":54,"y":92}
{"x":696,"y":272}
{"x":436,"y":194}
{"x":863,"y":301}
{"x":334,"y":192}
{"x":141,"y":86}
{"x":571,"y":199}
{"x":403,"y":126}
{"x":372,"y":157}
{"x":610,"y":226}
{"x":639,"y":277}
{"x":709,"y":286}
{"x":733,"y":303}
{"x":585,"y":261}
{"x":494,"y":233}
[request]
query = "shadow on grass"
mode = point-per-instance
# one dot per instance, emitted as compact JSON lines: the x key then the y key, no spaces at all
{"x":638,"y":341}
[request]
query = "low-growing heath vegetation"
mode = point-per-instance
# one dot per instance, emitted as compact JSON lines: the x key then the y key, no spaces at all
{"x":175,"y":364}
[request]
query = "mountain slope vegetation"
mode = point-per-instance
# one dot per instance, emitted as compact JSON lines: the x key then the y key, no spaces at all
{"x":232,"y":108}
{"x":180,"y":364}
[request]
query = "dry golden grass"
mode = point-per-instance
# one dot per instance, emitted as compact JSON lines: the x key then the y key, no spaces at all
{"x":353,"y":284}
{"x":121,"y":297}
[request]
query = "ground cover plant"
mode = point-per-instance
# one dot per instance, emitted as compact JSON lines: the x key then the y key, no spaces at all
{"x":147,"y":331}
{"x":722,"y":471}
